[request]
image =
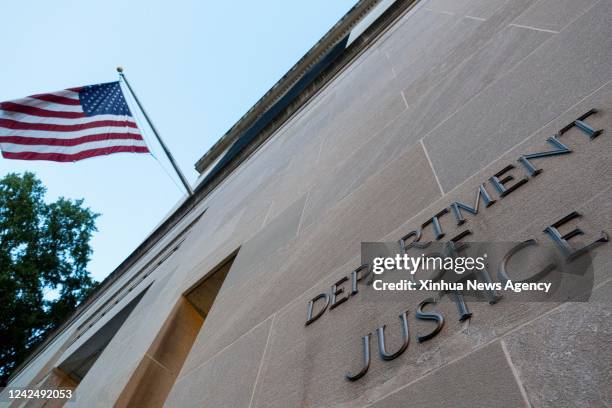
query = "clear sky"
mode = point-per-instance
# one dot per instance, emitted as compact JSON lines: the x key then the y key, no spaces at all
{"x":197,"y":66}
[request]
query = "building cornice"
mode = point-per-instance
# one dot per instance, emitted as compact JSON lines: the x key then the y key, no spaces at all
{"x":332,"y":37}
{"x":364,"y":23}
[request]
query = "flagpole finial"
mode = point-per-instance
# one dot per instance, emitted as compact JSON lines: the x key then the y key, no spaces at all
{"x":120,"y":69}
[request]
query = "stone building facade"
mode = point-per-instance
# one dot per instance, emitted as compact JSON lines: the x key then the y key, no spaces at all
{"x":402,"y":109}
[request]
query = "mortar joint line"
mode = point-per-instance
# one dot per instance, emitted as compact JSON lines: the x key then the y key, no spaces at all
{"x":181,"y":377}
{"x":476,"y":18}
{"x":515,"y":372}
{"x":404,"y":97}
{"x":533,"y":28}
{"x":433,"y":170}
{"x":263,"y":358}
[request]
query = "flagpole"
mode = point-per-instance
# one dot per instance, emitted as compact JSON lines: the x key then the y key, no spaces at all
{"x":159,"y":139}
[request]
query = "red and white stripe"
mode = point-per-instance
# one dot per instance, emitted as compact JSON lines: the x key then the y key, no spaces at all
{"x":54,"y":127}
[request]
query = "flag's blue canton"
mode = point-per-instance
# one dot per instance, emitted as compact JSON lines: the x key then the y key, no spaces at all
{"x":103,"y":99}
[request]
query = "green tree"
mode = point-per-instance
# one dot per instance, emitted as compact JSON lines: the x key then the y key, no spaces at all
{"x":44,"y":251}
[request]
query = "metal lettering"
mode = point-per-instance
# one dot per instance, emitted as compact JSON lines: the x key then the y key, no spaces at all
{"x":310,"y":318}
{"x":380,"y":332}
{"x":570,"y":252}
{"x":439,"y":319}
{"x":366,"y":360}
{"x":499,"y":184}
{"x":561,"y":149}
{"x":457,"y":206}
{"x":435,"y":222}
{"x":582,"y":125}
{"x":335,"y":291}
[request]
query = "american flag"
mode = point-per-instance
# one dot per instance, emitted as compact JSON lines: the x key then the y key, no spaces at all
{"x":69,"y":125}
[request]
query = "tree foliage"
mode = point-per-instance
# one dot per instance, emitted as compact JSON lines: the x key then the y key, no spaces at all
{"x":44,"y":251}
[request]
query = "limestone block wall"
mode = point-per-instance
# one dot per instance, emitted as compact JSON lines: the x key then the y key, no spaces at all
{"x":450,"y":95}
